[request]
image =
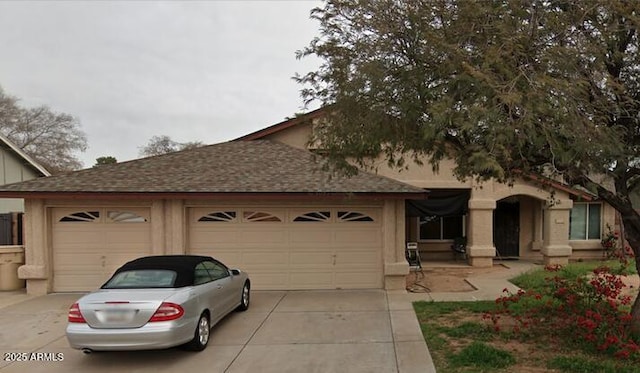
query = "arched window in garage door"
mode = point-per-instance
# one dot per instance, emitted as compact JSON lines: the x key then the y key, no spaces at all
{"x":219,"y":216}
{"x":314,"y":216}
{"x":260,"y":216}
{"x":104,"y":215}
{"x":349,"y":216}
{"x":81,"y":217}
{"x":125,"y":217}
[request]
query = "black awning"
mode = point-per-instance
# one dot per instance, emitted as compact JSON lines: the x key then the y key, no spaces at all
{"x":441,"y":202}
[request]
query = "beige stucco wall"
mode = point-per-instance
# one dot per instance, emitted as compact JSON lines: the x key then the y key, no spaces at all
{"x":296,"y":136}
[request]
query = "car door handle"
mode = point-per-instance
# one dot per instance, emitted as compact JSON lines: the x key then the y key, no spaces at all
{"x":219,"y":286}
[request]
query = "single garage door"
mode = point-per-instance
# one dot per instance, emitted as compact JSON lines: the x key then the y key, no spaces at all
{"x":89,"y":244}
{"x":293,"y":248}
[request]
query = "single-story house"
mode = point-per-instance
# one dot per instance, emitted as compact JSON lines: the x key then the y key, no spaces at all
{"x":262,"y":203}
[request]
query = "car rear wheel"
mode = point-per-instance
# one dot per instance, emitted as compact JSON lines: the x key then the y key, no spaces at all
{"x":245,"y":297}
{"x":201,"y":334}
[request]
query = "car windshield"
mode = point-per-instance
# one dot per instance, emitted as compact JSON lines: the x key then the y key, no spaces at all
{"x":142,"y":278}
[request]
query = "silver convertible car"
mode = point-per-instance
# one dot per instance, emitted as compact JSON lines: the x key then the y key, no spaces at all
{"x":158,"y":302}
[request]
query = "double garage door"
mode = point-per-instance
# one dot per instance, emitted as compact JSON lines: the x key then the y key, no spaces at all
{"x":280,"y":248}
{"x":293,"y":248}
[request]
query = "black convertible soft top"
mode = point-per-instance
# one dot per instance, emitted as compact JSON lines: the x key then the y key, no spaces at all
{"x":183,"y":265}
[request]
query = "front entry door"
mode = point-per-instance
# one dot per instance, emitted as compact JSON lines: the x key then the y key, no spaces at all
{"x":506,"y":229}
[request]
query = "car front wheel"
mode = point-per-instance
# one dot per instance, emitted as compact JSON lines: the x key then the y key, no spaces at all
{"x":201,"y":334}
{"x":245,"y":297}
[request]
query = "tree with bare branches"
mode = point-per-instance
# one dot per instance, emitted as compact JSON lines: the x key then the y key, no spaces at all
{"x":51,"y":138}
{"x":158,"y":145}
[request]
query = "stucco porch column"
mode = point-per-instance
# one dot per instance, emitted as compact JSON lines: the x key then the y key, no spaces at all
{"x":35,"y":270}
{"x":555,"y":247}
{"x":396,"y":267}
{"x":480,"y":247}
{"x":537,"y":242}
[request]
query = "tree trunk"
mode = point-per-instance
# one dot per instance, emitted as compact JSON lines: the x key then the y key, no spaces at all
{"x":635,"y":315}
{"x":631,"y":222}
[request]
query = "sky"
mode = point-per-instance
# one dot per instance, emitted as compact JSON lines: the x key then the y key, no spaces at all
{"x":207,"y":71}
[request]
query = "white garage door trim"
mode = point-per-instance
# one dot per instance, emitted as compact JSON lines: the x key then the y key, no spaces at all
{"x":89,"y":243}
{"x":293,"y":248}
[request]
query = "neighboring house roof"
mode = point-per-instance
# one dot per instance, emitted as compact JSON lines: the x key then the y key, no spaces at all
{"x":21,"y":154}
{"x":260,"y":166}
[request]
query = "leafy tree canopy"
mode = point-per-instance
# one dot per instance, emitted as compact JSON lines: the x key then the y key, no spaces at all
{"x":502,"y":87}
{"x":164,"y":144}
{"x":105,"y":160}
{"x":49,"y":137}
{"x":498,"y":85}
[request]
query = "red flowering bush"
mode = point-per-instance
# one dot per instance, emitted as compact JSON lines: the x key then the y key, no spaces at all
{"x":590,"y":312}
{"x":613,"y":248}
{"x":609,"y":240}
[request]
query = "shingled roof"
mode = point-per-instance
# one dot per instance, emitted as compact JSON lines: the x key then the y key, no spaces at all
{"x":260,"y":166}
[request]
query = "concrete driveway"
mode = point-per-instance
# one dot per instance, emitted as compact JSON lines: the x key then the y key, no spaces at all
{"x":296,"y":331}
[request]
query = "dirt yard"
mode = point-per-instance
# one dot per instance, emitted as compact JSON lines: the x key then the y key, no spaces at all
{"x":448,"y":279}
{"x":452,"y":279}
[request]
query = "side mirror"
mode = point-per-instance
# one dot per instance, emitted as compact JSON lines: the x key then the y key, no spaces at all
{"x":235,"y":272}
